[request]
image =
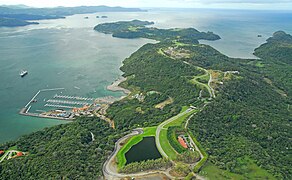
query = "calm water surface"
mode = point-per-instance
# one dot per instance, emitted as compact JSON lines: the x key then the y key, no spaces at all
{"x":68,"y":53}
{"x":146,"y":150}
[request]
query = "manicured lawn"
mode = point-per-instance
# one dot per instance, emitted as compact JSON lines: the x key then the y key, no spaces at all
{"x":181,"y":120}
{"x":167,"y":148}
{"x":121,"y":158}
{"x":184,"y":108}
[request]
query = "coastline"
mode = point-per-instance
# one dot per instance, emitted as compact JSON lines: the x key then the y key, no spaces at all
{"x":115,"y":86}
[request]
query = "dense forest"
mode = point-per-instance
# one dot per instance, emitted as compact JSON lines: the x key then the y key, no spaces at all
{"x":251,"y":117}
{"x":62,"y":152}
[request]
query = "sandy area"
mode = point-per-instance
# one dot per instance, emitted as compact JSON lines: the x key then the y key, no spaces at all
{"x":115,"y":86}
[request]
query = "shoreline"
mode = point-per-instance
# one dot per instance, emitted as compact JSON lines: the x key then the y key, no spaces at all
{"x":114,"y":87}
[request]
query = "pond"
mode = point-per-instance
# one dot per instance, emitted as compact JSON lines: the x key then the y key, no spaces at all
{"x":144,"y":150}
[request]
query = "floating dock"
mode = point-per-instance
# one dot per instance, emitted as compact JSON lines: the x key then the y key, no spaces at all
{"x":59,"y":106}
{"x":73,"y":97}
{"x":67,"y":102}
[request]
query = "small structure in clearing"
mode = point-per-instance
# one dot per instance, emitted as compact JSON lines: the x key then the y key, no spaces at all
{"x":176,"y":53}
{"x":182,"y":141}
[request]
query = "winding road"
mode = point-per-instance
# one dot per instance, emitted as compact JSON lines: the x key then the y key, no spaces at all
{"x":161,"y":126}
{"x":9,"y":153}
{"x":110,"y":170}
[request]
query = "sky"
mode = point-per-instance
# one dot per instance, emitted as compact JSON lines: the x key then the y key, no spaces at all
{"x":228,"y":4}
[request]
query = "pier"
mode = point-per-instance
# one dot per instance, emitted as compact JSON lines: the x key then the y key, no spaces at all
{"x":67,"y":102}
{"x":59,"y":106}
{"x":73,"y":97}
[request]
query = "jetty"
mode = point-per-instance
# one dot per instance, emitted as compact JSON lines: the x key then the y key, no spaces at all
{"x":25,"y":112}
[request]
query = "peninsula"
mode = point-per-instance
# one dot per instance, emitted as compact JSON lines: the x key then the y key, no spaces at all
{"x":208,"y":115}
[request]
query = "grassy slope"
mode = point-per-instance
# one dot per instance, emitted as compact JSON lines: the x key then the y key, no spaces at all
{"x":166,"y":146}
{"x":172,"y":154}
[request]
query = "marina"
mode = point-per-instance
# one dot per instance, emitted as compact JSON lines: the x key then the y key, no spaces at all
{"x":62,"y":107}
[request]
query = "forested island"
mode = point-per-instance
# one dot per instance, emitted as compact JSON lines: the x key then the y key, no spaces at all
{"x":243,"y":124}
{"x":138,"y":29}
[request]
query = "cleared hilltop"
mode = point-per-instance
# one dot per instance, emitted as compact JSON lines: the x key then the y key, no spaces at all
{"x":242,"y":121}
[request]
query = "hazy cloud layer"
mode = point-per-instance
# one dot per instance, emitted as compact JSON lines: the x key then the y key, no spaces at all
{"x":238,"y":4}
{"x":239,"y":1}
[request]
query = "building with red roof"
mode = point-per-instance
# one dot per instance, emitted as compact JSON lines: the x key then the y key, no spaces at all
{"x":19,"y":154}
{"x":1,"y":152}
{"x":182,"y":142}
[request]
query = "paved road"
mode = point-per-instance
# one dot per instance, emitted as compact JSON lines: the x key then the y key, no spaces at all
{"x":209,"y":84}
{"x":110,"y":171}
{"x":161,"y":126}
{"x":92,"y":137}
{"x":7,"y":154}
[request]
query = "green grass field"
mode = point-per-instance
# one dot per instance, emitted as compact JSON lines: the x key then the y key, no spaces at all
{"x":248,"y":171}
{"x":121,"y":158}
{"x":181,"y":120}
{"x":167,"y":148}
{"x":184,"y":108}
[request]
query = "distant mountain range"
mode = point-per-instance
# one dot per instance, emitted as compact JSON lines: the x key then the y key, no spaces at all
{"x":18,"y":6}
{"x":13,"y":15}
{"x":66,"y":11}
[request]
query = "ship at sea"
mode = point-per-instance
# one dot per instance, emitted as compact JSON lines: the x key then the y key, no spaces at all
{"x":23,"y":73}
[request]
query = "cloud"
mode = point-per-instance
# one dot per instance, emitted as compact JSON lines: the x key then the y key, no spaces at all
{"x":235,"y":4}
{"x":247,"y":1}
{"x":237,"y":1}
